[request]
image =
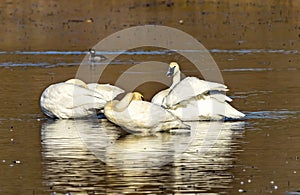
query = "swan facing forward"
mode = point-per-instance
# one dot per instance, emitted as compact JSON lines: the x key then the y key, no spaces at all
{"x":193,"y":99}
{"x":140,"y":116}
{"x":76,"y":99}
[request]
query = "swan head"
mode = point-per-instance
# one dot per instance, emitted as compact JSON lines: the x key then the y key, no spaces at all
{"x":120,"y":106}
{"x":137,"y":96}
{"x":77,"y":82}
{"x":92,"y":52}
{"x":173,"y":69}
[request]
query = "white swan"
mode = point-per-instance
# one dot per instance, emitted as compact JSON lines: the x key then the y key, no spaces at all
{"x":74,"y":99}
{"x":193,"y":99}
{"x":141,"y":116}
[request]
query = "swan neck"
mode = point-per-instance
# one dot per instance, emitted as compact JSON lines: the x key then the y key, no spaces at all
{"x":123,"y":104}
{"x":176,"y":79}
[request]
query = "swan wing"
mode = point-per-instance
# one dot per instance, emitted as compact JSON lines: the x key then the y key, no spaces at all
{"x":190,"y":87}
{"x":220,"y":96}
{"x":208,"y":107}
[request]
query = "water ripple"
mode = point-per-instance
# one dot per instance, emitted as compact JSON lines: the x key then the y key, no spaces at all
{"x":273,"y":114}
{"x":153,"y":52}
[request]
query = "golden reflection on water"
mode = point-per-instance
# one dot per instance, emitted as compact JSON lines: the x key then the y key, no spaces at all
{"x":170,"y":162}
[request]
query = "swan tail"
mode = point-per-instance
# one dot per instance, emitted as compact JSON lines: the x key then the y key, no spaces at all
{"x":231,"y":112}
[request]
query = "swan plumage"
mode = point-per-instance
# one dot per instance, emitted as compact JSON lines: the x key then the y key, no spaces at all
{"x":72,"y":99}
{"x":140,"y":116}
{"x":191,"y":87}
{"x":77,"y":82}
{"x":108,"y":92}
{"x":193,"y":99}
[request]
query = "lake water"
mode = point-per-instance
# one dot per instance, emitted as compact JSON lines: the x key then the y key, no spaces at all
{"x":256,"y":47}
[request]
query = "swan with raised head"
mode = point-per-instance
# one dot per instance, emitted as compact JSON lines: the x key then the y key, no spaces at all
{"x":76,"y":99}
{"x":139,"y":116}
{"x":193,"y":99}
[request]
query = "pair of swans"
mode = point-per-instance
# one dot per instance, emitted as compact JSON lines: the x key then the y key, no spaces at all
{"x":192,"y":99}
{"x":76,"y":99}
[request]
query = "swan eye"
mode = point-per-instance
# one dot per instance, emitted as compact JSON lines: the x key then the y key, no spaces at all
{"x":142,"y":97}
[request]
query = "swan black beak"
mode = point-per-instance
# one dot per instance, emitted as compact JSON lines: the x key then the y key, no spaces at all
{"x":170,"y":71}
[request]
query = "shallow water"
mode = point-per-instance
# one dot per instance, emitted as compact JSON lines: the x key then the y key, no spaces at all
{"x":256,"y":47}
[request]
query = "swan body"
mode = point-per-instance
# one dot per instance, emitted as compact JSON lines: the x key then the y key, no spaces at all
{"x":140,"y":116}
{"x":72,"y":99}
{"x":193,"y":99}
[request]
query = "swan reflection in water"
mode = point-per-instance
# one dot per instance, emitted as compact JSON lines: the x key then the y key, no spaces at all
{"x":162,"y":162}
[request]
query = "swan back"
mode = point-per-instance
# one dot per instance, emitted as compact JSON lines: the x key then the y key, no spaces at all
{"x":77,"y":82}
{"x":66,"y":100}
{"x":108,"y":92}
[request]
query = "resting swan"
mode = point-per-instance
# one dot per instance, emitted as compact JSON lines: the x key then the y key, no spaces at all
{"x":193,"y":99}
{"x":140,"y":116}
{"x":76,"y":99}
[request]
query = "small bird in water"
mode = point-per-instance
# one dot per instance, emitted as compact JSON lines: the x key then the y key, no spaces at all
{"x":96,"y":58}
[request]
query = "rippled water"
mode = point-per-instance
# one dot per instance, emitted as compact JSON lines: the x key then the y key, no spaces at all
{"x":256,"y":47}
{"x":257,"y":155}
{"x":134,"y":163}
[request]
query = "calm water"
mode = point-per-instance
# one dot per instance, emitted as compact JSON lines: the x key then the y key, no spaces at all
{"x":256,"y":46}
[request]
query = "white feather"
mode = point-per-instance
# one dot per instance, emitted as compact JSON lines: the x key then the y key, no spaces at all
{"x":75,"y":99}
{"x":190,"y":87}
{"x":160,"y":97}
{"x":65,"y":100}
